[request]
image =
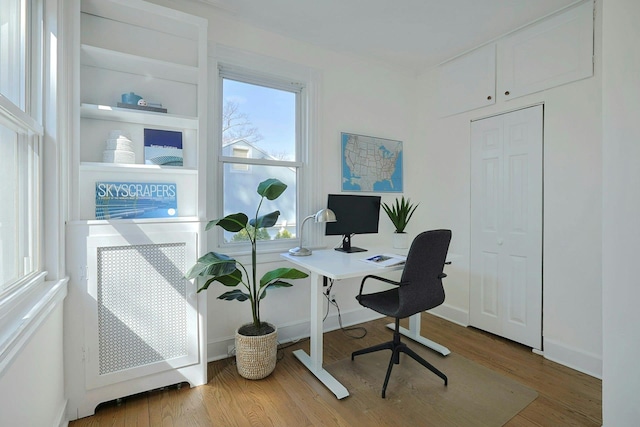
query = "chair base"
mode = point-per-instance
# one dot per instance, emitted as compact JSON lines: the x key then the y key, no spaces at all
{"x":397,"y":347}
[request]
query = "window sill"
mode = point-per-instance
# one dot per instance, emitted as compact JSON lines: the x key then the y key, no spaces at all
{"x":23,"y":311}
{"x":265,"y":255}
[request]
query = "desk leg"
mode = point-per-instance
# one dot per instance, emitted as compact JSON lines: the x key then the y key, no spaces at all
{"x":414,"y":333}
{"x":313,"y":362}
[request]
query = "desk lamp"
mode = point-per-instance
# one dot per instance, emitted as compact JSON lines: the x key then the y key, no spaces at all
{"x":323,"y":215}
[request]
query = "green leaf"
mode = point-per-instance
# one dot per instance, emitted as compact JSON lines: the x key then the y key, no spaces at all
{"x":230,"y":279}
{"x":279,"y":284}
{"x":206,"y":285}
{"x":400,"y":212}
{"x":282,"y":273}
{"x":271,"y":188}
{"x":236,"y":294}
{"x":267,"y":220}
{"x":233,"y":223}
{"x":212,"y":264}
{"x":276,"y":284}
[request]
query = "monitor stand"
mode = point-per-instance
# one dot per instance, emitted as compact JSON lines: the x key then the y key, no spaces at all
{"x":346,"y":245}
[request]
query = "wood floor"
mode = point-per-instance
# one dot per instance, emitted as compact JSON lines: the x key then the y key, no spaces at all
{"x":565,"y":397}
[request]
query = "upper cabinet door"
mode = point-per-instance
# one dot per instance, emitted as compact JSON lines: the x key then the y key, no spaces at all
{"x":553,"y":52}
{"x":468,"y":82}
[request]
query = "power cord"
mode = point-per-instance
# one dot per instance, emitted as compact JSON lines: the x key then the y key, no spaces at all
{"x":331,"y":301}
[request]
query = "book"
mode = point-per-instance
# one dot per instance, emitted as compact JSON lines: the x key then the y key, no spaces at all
{"x":162,"y":147}
{"x":142,"y":107}
{"x":385,"y":260}
{"x":121,"y":200}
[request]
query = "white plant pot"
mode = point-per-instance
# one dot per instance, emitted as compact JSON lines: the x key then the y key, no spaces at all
{"x":400,"y":240}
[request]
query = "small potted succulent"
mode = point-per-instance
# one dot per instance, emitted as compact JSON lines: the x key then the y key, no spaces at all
{"x":400,"y":212}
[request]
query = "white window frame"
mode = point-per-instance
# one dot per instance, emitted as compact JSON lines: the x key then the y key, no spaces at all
{"x":30,"y":299}
{"x":270,"y":72}
{"x":24,"y":117}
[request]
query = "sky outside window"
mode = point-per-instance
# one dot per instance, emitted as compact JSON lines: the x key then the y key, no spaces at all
{"x":270,"y":111}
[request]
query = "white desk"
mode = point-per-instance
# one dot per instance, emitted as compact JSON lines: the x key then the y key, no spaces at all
{"x":337,"y":265}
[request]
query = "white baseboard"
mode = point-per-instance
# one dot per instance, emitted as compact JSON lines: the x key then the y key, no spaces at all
{"x":219,"y":349}
{"x":62,"y":420}
{"x":580,"y":360}
{"x":452,"y":314}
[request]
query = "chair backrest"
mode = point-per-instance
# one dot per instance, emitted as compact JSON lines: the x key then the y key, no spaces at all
{"x":422,"y":273}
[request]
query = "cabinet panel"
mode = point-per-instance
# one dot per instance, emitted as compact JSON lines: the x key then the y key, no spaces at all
{"x":553,"y":52}
{"x":468,"y":82}
{"x":118,"y":329}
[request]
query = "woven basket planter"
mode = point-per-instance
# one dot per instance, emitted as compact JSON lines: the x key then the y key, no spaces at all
{"x":256,"y":355}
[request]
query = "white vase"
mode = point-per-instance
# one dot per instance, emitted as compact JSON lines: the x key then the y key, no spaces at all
{"x":400,"y":240}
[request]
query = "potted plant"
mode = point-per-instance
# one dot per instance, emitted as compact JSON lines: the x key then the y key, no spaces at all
{"x":256,"y":342}
{"x":400,"y":212}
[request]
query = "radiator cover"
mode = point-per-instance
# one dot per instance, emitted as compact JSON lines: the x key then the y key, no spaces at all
{"x":143,"y":313}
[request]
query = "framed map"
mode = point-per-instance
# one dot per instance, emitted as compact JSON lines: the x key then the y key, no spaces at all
{"x":371,"y":164}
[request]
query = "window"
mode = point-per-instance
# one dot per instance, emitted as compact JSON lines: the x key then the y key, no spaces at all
{"x":13,"y":51}
{"x":20,"y":142}
{"x":260,"y":137}
{"x":240,"y":152}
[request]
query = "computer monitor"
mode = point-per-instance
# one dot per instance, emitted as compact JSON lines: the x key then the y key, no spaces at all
{"x":354,"y":215}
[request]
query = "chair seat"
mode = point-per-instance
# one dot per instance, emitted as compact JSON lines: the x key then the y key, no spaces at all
{"x":385,"y":302}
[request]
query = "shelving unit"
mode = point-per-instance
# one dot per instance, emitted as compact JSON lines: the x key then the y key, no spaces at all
{"x":160,"y":54}
{"x":135,"y":323}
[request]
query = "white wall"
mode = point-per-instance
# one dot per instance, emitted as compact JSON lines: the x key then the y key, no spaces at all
{"x":355,"y":96}
{"x":362,"y":97}
{"x":621,"y":212}
{"x":572,"y":320}
{"x":32,"y":387}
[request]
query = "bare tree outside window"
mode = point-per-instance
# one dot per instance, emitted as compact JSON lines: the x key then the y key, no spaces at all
{"x":237,"y":125}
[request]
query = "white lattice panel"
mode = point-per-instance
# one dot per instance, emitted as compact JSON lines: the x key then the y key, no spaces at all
{"x":141,"y":305}
{"x":144,"y":316}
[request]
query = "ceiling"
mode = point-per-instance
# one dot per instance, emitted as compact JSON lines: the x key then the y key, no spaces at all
{"x":413,"y":34}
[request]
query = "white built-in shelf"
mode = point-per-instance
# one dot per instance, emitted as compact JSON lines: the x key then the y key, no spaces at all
{"x":93,"y":56}
{"x":107,"y":112}
{"x":135,"y":167}
{"x":151,"y":16}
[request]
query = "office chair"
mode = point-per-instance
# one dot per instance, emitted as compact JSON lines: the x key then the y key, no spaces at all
{"x":419,"y":289}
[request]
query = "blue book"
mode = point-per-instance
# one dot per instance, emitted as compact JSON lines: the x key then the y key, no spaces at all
{"x":124,"y":200}
{"x":162,"y":147}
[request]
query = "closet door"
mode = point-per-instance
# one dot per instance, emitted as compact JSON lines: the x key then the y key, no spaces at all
{"x":506,"y":225}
